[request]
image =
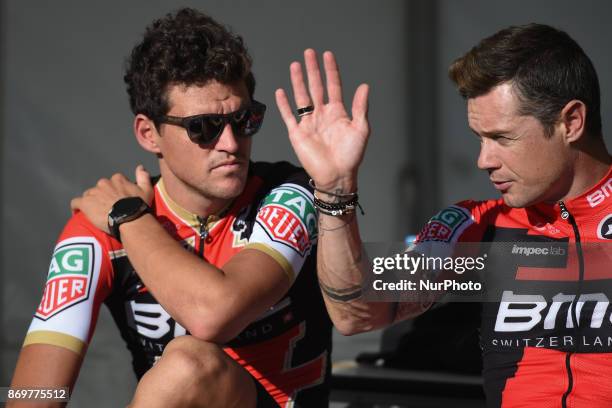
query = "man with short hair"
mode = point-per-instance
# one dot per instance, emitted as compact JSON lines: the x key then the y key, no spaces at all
{"x":217,"y":247}
{"x":533,"y":103}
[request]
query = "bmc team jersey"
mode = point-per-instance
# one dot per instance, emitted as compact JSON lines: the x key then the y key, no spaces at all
{"x":287,"y":349}
{"x":542,"y":351}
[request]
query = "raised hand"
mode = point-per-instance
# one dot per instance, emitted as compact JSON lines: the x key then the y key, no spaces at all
{"x":97,"y":201}
{"x":329,"y":144}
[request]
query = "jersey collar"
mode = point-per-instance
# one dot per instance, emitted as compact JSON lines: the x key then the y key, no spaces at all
{"x":189,"y":218}
{"x":594,"y":200}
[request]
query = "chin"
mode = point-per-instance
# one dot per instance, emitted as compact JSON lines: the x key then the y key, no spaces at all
{"x":230,"y":188}
{"x":511,"y":203}
{"x":515,"y":201}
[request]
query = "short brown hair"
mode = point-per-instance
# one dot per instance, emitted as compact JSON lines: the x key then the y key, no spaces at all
{"x":546,"y":67}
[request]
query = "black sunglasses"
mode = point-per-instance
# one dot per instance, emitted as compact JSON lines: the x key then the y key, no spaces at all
{"x":207,"y":127}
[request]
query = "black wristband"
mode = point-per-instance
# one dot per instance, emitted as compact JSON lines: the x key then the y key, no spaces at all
{"x":337,"y":209}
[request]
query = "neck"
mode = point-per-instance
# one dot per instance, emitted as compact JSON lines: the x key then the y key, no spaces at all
{"x":591,"y":164}
{"x":188,"y":197}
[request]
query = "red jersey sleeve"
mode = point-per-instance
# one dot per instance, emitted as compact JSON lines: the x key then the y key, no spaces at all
{"x":79,"y":279}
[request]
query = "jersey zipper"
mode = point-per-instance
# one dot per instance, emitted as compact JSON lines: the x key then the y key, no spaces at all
{"x":566,"y":215}
{"x":203,"y":234}
{"x":570,"y":379}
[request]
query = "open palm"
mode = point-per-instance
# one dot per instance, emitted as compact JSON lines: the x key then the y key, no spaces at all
{"x":329,"y":144}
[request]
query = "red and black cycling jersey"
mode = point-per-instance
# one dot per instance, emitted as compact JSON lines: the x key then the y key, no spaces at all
{"x":546,"y":331}
{"x":287,"y":349}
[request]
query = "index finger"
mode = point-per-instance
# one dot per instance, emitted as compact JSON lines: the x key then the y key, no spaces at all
{"x":285,"y":109}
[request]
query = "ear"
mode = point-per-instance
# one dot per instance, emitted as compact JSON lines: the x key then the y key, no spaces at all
{"x":573,"y":119}
{"x":146,"y":133}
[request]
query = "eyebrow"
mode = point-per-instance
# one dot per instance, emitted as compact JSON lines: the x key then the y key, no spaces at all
{"x":490,"y":132}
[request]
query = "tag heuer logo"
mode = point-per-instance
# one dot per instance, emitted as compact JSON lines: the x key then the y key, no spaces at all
{"x":282,"y":225}
{"x":69,"y":279}
{"x":444,"y":225}
{"x":288,"y":216}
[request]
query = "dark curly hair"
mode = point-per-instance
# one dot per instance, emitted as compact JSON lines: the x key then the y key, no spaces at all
{"x":187,"y":48}
{"x":546,"y":67}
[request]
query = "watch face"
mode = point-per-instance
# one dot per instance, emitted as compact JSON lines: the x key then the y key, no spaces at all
{"x":124,"y":210}
{"x":127,"y":206}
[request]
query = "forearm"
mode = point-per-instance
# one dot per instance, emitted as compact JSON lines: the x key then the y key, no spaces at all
{"x":186,"y":286}
{"x":342,"y":267}
{"x":44,"y":366}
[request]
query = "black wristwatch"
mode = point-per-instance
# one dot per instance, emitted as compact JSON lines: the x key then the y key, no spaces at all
{"x":124,"y":210}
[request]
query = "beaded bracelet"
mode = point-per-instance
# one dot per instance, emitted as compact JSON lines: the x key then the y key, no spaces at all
{"x":338,"y":209}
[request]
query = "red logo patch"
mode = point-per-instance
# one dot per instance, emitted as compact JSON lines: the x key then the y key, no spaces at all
{"x":284,"y":226}
{"x":69,"y":278}
{"x":436,"y":231}
{"x":61,"y":292}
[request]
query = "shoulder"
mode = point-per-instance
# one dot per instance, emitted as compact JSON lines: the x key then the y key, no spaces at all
{"x":285,"y":220}
{"x":80,"y":234}
{"x":79,"y":225}
{"x":465,"y":220}
{"x":483,"y":211}
{"x":285,"y":192}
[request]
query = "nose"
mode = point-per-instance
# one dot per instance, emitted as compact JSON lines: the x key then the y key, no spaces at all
{"x":487,"y":159}
{"x":227,"y":142}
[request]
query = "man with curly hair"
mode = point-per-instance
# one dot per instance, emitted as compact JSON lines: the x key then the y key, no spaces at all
{"x":209,"y":269}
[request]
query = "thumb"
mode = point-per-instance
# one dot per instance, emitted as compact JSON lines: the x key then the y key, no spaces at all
{"x":75,"y":205}
{"x":359,"y":109}
{"x":143,"y":180}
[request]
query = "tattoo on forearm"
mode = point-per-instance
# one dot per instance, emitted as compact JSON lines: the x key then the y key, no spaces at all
{"x":342,"y":295}
{"x":338,"y":193}
{"x":335,"y":196}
